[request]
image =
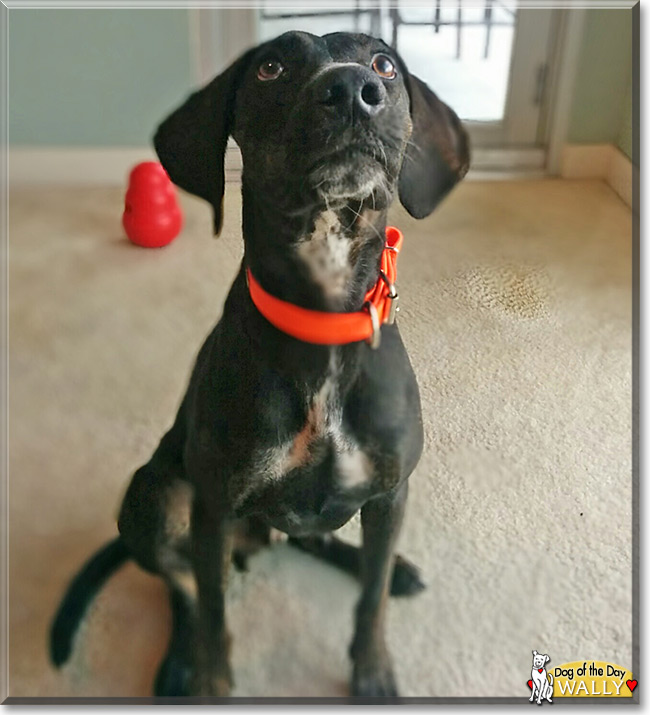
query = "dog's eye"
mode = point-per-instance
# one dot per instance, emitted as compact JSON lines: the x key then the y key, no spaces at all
{"x":269,"y":70}
{"x":384,"y":67}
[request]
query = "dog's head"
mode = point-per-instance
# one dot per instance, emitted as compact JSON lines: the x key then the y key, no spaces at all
{"x":326,"y":120}
{"x":539,"y":659}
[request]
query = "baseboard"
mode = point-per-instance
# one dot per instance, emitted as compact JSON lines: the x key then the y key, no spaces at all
{"x":88,"y":165}
{"x":599,"y":161}
{"x":621,"y":175}
{"x":74,"y":165}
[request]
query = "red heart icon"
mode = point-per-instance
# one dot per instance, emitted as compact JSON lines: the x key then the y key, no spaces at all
{"x":539,"y":670}
{"x":530,"y":684}
{"x":631,"y":684}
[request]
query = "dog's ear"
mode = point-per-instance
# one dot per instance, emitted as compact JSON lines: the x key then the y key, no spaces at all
{"x":437,"y":155}
{"x":191,"y":142}
{"x":547,"y":658}
{"x":534,"y":653}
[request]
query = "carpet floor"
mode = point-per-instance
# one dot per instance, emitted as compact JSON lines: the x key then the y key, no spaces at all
{"x":516,"y":311}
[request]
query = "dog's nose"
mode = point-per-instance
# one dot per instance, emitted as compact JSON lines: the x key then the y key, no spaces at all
{"x":353,"y":89}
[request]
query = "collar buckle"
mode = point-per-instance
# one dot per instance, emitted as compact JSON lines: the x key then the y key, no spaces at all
{"x":393,"y":296}
{"x":375,"y":339}
{"x":394,"y":308}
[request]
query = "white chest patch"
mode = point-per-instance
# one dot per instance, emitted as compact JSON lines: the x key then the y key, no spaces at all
{"x":355,"y":468}
{"x":326,"y":253}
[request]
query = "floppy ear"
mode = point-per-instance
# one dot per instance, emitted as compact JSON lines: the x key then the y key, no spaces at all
{"x":437,"y":155}
{"x":191,"y":142}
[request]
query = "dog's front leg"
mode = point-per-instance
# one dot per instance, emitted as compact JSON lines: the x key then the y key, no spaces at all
{"x":211,"y":554}
{"x":381,"y":519}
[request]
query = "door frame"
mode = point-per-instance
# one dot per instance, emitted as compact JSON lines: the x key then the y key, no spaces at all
{"x":521,"y":117}
{"x":564,"y":71}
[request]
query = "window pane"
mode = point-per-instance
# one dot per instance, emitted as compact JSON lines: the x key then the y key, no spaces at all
{"x":466,"y":64}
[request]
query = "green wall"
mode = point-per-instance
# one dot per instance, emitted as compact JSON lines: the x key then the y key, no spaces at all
{"x":624,"y":141}
{"x":95,"y":77}
{"x":602,"y":105}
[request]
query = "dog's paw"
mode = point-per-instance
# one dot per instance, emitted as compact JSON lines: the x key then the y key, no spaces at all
{"x":406,"y":578}
{"x":173,"y":678}
{"x":374,"y":680}
{"x":217,"y":685}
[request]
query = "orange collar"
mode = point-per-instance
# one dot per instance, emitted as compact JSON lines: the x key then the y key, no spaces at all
{"x":322,"y":328}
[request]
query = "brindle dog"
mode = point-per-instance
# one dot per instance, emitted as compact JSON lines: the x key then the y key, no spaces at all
{"x":272,"y":431}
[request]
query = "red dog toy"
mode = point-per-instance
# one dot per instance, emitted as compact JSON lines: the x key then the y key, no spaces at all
{"x":152,"y":217}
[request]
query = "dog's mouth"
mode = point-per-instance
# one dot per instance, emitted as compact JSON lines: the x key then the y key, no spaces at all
{"x":355,"y":172}
{"x":349,"y":151}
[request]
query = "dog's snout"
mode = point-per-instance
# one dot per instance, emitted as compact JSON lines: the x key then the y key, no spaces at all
{"x":353,"y":90}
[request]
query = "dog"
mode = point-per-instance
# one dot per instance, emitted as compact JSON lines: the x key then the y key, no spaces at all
{"x":277,"y":431}
{"x":542,"y":686}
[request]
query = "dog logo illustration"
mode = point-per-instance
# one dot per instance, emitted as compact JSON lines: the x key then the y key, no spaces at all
{"x":541,"y":682}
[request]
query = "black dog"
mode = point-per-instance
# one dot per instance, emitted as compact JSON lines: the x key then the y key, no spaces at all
{"x":274,"y":431}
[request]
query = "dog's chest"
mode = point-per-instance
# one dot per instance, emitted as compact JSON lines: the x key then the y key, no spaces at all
{"x":322,"y":441}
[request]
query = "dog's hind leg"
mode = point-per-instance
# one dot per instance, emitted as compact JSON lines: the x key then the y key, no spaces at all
{"x":405,"y":580}
{"x":154,"y":524}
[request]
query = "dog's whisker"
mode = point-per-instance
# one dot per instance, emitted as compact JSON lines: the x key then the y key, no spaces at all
{"x":383,"y":151}
{"x":361,"y":217}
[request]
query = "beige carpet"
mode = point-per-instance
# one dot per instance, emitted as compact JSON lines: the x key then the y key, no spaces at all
{"x":516,"y":310}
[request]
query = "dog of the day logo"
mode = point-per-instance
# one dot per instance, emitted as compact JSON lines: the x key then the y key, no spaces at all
{"x":580,"y":679}
{"x":541,"y":682}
